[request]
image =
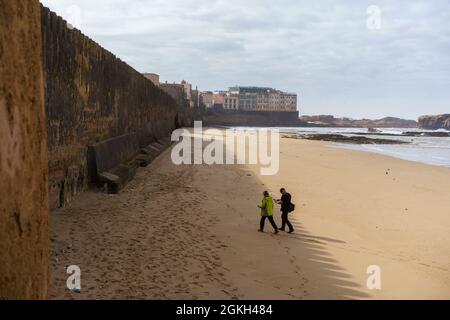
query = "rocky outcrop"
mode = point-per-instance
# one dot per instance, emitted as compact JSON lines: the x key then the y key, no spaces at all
{"x":24,"y":239}
{"x":344,"y":139}
{"x":433,"y":134}
{"x":388,"y":122}
{"x":435,"y":122}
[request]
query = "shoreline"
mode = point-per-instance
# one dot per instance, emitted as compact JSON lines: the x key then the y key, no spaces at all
{"x":381,"y":153}
{"x":190,"y":232}
{"x":432,"y":149}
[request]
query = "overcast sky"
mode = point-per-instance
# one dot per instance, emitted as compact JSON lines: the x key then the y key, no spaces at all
{"x":337,"y":55}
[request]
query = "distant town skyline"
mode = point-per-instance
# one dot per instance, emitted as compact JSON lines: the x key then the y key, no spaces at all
{"x":359,"y":59}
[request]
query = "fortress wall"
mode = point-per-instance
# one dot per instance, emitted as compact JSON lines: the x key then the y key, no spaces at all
{"x":24,"y":240}
{"x":91,"y":96}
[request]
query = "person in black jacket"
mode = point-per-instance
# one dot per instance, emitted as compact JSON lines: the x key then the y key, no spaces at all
{"x":286,"y":205}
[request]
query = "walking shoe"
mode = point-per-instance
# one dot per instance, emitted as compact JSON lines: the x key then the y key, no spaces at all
{"x":292,"y":231}
{"x":276,"y":232}
{"x":260,"y":230}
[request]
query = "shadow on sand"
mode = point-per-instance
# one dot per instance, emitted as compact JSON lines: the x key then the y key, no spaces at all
{"x":337,"y":283}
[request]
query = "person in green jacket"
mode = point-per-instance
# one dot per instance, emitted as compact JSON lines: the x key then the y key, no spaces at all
{"x":267,"y":212}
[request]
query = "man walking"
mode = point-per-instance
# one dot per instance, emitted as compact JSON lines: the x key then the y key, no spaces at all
{"x":267,"y":212}
{"x":286,"y":208}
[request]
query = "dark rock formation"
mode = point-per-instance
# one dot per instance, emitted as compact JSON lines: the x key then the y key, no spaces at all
{"x":435,"y":122}
{"x":426,"y":134}
{"x":404,"y":134}
{"x":331,"y":121}
{"x":373,"y":130}
{"x":24,"y":239}
{"x":346,"y":139}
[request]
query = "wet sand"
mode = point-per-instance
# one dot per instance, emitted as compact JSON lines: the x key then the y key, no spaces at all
{"x":190,"y":232}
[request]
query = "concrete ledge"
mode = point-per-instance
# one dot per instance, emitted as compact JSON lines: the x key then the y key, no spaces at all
{"x":165,"y":141}
{"x":159,"y":146}
{"x":154,"y":150}
{"x":117,"y":179}
{"x":143,"y":159}
{"x":114,"y":162}
{"x":151,"y":151}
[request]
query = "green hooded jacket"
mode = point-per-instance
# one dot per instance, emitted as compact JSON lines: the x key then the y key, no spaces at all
{"x":267,"y":207}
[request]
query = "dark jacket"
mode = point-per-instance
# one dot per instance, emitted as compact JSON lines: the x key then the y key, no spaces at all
{"x":286,"y":202}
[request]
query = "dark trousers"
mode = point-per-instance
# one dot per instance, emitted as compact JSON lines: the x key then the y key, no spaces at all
{"x":272,"y":222}
{"x":285,"y":220}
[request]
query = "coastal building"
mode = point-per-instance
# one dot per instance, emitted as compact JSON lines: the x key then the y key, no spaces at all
{"x":219,"y":99}
{"x":153,"y":77}
{"x":231,"y":101}
{"x":260,"y":99}
{"x":188,"y":92}
{"x":182,"y":93}
{"x":207,"y":98}
{"x":288,"y":102}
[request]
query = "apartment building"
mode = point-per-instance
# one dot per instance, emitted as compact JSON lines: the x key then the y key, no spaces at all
{"x":231,"y":101}
{"x":207,"y":98}
{"x":260,"y":99}
{"x":182,"y":92}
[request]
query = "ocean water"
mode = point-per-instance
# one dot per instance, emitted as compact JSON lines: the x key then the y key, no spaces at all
{"x":429,"y":150}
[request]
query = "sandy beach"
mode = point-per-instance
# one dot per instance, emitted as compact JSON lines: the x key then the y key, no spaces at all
{"x":190,"y":232}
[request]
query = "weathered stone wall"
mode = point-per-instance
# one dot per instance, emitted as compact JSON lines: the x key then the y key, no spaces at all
{"x":90,"y":96}
{"x":23,"y":154}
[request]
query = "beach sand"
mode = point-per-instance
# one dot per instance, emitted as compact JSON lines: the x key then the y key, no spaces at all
{"x":190,"y":232}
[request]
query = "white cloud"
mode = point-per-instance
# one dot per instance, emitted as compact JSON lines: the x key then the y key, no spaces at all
{"x":322,"y":49}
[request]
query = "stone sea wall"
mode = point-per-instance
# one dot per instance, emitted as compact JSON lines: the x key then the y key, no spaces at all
{"x":91,"y":96}
{"x":24,"y":239}
{"x":251,"y":118}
